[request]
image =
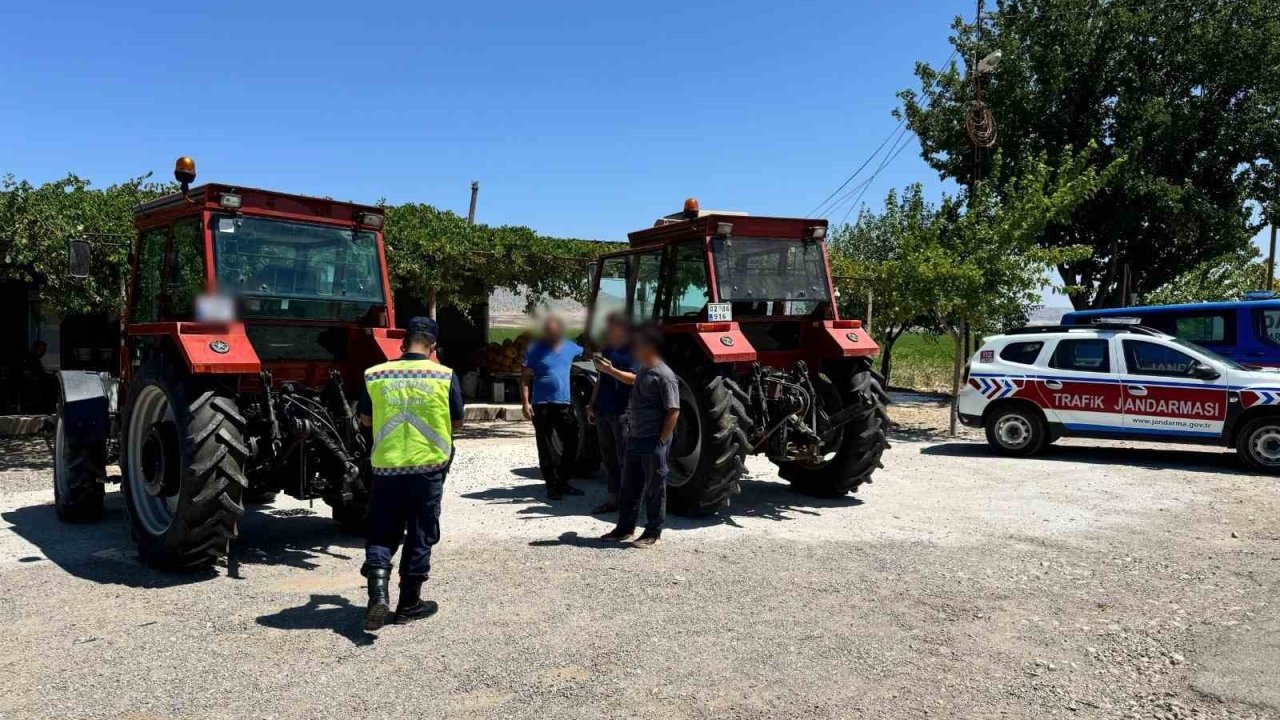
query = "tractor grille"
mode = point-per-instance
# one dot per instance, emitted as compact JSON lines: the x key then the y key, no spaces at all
{"x":770,"y":336}
{"x":282,"y":342}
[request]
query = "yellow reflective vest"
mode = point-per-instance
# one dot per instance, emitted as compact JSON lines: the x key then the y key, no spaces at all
{"x":412,"y":428}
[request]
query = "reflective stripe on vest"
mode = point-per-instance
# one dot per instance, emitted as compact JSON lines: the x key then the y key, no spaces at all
{"x":412,"y":427}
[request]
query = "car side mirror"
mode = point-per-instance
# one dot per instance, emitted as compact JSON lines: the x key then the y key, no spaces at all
{"x":79,"y":258}
{"x":1204,"y":371}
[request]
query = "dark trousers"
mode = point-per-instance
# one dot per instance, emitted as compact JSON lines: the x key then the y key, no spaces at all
{"x":557,"y":419}
{"x":404,"y":508}
{"x":611,"y":429}
{"x":644,"y":475}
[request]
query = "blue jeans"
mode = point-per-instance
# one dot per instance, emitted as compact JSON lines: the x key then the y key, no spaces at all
{"x":404,"y":509}
{"x":644,"y":475}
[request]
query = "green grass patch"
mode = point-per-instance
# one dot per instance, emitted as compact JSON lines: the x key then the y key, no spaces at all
{"x":498,"y":334}
{"x":922,"y":362}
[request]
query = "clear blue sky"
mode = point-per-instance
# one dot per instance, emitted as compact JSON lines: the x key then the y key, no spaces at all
{"x":580,"y":119}
{"x":583,"y":119}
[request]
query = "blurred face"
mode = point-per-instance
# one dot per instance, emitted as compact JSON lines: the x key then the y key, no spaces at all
{"x":617,"y":334}
{"x":645,"y":353}
{"x":553,"y":329}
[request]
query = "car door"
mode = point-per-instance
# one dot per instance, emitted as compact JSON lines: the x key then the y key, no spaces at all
{"x":1081,"y":385}
{"x":1163,"y":397}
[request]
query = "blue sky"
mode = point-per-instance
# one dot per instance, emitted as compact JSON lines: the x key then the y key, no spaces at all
{"x":581,"y":119}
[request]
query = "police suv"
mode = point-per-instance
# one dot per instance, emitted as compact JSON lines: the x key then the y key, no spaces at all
{"x":1118,"y":380}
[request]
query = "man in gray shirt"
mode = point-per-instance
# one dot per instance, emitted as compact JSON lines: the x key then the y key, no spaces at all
{"x":654,"y":409}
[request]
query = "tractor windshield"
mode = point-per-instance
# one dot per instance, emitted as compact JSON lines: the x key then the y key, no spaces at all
{"x":284,"y":269}
{"x":752,"y":269}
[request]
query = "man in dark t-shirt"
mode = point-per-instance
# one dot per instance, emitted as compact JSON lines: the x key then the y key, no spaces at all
{"x":653,"y":411}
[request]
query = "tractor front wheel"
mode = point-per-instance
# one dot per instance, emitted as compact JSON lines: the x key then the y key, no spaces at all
{"x":182,"y":459}
{"x":709,"y":448}
{"x":853,"y":450}
{"x":79,"y":468}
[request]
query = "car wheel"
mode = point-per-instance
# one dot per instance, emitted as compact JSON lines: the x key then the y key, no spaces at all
{"x":1016,"y":431}
{"x":1258,"y":444}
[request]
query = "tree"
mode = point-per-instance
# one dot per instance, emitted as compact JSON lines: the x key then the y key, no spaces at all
{"x":1187,"y":92}
{"x":1223,"y":278}
{"x":886,"y":253}
{"x":991,"y":266}
{"x":432,"y":251}
{"x":36,"y":222}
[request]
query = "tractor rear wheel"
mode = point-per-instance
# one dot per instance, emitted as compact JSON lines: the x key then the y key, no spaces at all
{"x":709,"y":448}
{"x":853,"y":452}
{"x":182,"y":460}
{"x":79,"y":468}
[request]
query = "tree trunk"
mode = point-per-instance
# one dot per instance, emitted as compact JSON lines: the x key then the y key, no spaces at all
{"x":886,"y":360}
{"x":957,"y":368}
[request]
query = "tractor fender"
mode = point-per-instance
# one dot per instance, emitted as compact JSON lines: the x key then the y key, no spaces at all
{"x":723,"y":342}
{"x":86,"y":405}
{"x":208,"y":348}
{"x":844,"y":338}
{"x":386,"y":343}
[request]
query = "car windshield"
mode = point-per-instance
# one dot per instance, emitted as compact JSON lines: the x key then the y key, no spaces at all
{"x":1207,"y":353}
{"x":297,"y":270}
{"x":755,"y":269}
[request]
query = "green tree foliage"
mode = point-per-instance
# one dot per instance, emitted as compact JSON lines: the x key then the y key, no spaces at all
{"x":1188,"y":92}
{"x":1224,"y":278}
{"x":37,"y":220}
{"x":431,"y":249}
{"x":895,"y":254}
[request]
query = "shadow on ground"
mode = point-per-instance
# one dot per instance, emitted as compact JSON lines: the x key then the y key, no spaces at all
{"x":767,"y":499}
{"x":103,"y":552}
{"x":25,"y":453}
{"x":323,"y":612}
{"x":1172,"y":458}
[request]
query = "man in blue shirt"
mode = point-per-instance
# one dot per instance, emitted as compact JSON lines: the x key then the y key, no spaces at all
{"x":608,"y":406}
{"x":544,"y":392}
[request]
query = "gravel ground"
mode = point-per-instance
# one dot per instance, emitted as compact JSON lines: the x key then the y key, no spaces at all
{"x":1100,"y":580}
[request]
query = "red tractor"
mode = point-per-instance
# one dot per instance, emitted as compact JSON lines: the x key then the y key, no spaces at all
{"x":765,"y":363}
{"x":250,"y":317}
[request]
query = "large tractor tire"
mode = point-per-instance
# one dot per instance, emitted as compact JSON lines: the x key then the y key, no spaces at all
{"x":709,"y":449}
{"x":79,"y":469}
{"x":853,"y":452}
{"x":182,"y":461}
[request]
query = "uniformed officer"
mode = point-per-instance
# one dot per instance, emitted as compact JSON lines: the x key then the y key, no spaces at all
{"x":413,"y":405}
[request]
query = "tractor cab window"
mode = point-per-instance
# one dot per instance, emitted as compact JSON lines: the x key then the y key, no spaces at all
{"x":612,"y":295}
{"x":284,"y":269}
{"x":184,"y":278}
{"x":648,"y":274}
{"x":147,"y":289}
{"x":686,"y":283}
{"x":770,"y":276}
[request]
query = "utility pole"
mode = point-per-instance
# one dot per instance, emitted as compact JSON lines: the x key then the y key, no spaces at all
{"x":475,"y":191}
{"x":1271,"y":258}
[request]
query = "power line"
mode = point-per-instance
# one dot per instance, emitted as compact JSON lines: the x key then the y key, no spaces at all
{"x":821,"y":207}
{"x":873,"y":177}
{"x":862,"y":186}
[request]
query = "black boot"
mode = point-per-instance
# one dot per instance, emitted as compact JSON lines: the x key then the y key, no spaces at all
{"x":411,"y":605}
{"x":379,"y":598}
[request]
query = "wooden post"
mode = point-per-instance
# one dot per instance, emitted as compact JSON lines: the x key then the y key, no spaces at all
{"x":957,"y":368}
{"x":871,"y":301}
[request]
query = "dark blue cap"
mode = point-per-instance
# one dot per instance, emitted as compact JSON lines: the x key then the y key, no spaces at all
{"x":423,"y":324}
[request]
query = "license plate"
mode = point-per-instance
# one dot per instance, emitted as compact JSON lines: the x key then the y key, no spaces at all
{"x":719,"y":312}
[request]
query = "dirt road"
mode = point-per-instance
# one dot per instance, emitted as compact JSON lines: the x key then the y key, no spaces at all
{"x":1101,"y":580}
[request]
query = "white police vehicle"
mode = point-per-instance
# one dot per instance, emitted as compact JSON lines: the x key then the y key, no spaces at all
{"x":1118,"y":380}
